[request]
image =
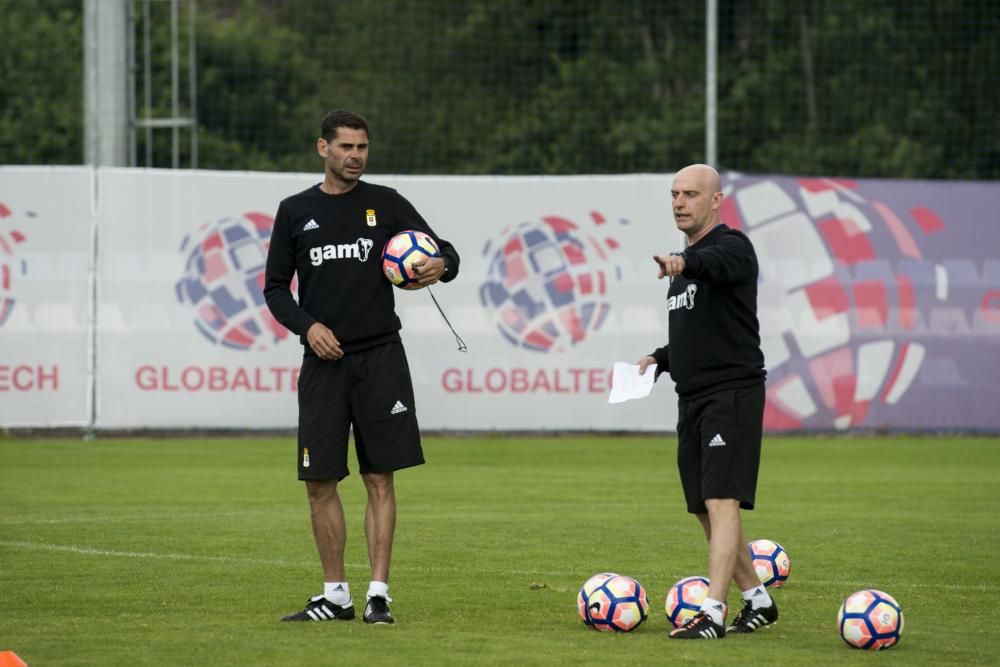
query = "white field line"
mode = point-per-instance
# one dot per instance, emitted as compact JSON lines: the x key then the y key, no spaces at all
{"x":987,"y":587}
{"x":128,"y":518}
{"x":93,"y":551}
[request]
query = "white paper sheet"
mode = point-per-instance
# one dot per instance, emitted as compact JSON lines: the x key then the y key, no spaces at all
{"x":626,"y":383}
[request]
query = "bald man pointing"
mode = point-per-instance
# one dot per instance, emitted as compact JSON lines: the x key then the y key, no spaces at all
{"x":714,"y":357}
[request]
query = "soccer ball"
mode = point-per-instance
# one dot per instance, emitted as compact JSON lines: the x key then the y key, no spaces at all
{"x":871,"y":620}
{"x":618,"y":604}
{"x":401,"y":251}
{"x":684,"y":599}
{"x":771,"y":562}
{"x":585,"y":591}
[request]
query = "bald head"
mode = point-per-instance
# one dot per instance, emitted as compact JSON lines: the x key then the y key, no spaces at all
{"x":697,"y":195}
{"x":707,"y":177}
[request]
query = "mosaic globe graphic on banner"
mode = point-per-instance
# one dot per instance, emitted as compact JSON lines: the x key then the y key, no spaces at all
{"x":547,"y":282}
{"x":842,"y":284}
{"x":11,"y":266}
{"x":223,"y":281}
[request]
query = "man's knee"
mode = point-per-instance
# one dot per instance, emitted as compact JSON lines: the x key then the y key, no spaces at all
{"x":321,"y":492}
{"x":721,"y":508}
{"x":379,"y":484}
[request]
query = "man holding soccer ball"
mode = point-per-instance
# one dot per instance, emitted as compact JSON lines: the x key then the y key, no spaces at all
{"x":354,"y":372}
{"x":714,"y":357}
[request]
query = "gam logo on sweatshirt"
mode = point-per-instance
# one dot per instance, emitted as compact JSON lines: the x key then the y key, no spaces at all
{"x":358,"y":250}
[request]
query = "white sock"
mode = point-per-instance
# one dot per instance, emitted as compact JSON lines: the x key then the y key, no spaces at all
{"x":378,"y":589}
{"x":759,"y":597}
{"x":337,"y":592}
{"x":716,"y":610}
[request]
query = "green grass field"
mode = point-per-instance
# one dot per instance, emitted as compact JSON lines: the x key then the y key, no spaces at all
{"x":188,"y":551}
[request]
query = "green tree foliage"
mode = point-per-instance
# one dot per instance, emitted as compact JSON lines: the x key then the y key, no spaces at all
{"x":41,"y":90}
{"x":256,"y":69}
{"x":902,"y":88}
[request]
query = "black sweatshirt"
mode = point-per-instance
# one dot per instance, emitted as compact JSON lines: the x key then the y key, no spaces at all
{"x":712,"y":317}
{"x":334,"y":243}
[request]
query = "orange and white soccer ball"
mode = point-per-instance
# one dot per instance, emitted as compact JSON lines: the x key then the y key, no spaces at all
{"x":771,"y":562}
{"x":870,"y":619}
{"x":401,"y":251}
{"x":617,"y":604}
{"x":684,"y":599}
{"x":589,"y":587}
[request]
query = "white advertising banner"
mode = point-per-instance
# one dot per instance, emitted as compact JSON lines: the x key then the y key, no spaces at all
{"x":132,"y":299}
{"x":45,"y":296}
{"x":183,"y":334}
{"x":556,"y":284}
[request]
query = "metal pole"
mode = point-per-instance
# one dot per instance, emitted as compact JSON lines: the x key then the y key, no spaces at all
{"x":90,"y":41}
{"x":193,"y":82}
{"x":106,"y":128}
{"x":174,"y":84}
{"x":711,"y":66}
{"x":131,"y":21}
{"x":106,"y":118}
{"x":147,"y":78}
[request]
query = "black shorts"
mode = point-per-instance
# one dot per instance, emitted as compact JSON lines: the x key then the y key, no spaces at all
{"x":369,"y":391}
{"x":718,"y":446}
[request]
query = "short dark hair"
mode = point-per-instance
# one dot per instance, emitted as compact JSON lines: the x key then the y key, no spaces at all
{"x":342,"y":118}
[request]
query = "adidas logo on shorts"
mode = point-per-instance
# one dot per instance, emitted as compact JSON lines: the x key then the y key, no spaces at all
{"x":396,"y":409}
{"x":717,"y":441}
